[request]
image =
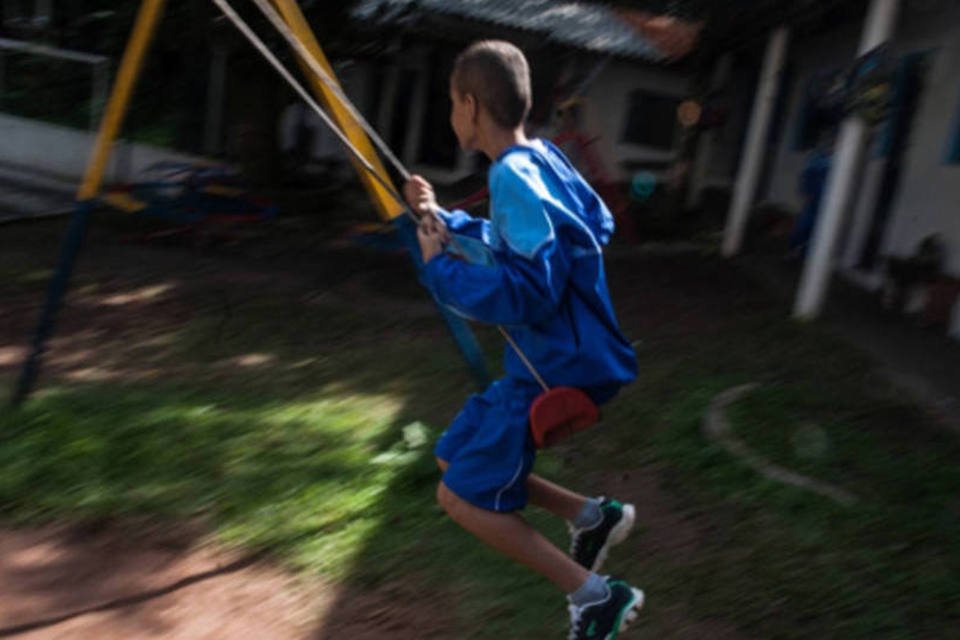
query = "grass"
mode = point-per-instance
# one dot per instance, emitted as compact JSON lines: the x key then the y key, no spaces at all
{"x":289,"y":419}
{"x":785,"y":563}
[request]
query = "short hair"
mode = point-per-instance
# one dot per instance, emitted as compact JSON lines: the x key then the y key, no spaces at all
{"x":496,"y":73}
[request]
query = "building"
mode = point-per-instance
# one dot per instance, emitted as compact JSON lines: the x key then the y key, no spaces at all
{"x":894,"y":183}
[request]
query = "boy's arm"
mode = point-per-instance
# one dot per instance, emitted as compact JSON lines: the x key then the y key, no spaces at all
{"x":513,"y":290}
{"x":526,"y":282}
{"x":462,"y":223}
{"x":420,"y":195}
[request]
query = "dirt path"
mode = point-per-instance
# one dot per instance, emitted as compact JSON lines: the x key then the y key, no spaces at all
{"x":70,"y":583}
{"x":118,"y":582}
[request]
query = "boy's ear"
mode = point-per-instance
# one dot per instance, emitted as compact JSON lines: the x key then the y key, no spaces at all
{"x":473,"y":106}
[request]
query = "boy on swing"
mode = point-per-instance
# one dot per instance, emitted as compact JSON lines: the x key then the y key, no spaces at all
{"x":537,"y":267}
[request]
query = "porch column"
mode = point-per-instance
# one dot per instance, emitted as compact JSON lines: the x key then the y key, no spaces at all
{"x":851,"y":144}
{"x":754,"y":152}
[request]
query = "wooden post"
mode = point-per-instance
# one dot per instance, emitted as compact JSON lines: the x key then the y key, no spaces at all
{"x":146,"y":24}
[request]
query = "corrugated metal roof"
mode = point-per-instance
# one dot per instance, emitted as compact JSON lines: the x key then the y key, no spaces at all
{"x":586,"y":26}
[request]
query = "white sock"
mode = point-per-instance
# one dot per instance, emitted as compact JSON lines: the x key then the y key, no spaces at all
{"x":593,"y":590}
{"x":590,"y":515}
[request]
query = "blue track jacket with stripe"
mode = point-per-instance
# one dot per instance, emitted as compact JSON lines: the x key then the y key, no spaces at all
{"x":536,"y":267}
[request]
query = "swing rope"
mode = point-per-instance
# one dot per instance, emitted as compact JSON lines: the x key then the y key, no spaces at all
{"x":284,"y":30}
{"x":330,"y":83}
{"x":262,"y":48}
{"x":325,"y":78}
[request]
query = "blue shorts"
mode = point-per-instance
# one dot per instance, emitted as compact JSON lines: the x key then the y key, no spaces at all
{"x":489,"y":447}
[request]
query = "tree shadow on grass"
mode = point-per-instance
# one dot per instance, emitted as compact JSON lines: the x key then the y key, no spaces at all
{"x":296,"y":455}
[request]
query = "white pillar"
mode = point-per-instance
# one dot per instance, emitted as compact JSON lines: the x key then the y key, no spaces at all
{"x":840,"y":185}
{"x":754,"y":152}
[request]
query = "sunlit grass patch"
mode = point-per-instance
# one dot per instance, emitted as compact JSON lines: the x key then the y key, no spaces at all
{"x":297,"y":477}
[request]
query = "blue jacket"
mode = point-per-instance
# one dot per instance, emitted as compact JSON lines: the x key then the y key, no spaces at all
{"x":537,"y":267}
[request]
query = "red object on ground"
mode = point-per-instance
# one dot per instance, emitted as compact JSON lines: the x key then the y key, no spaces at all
{"x":559,"y":413}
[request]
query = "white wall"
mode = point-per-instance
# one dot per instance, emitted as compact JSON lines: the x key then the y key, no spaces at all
{"x":805,"y":58}
{"x":63,"y":152}
{"x":928,"y":199}
{"x":605,"y":116}
{"x":607,"y":103}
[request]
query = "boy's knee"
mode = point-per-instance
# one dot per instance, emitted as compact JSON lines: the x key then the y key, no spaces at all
{"x":443,"y":464}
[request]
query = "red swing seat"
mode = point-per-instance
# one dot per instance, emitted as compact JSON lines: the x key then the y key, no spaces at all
{"x":559,"y":413}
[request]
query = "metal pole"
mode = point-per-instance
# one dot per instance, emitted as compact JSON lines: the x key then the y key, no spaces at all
{"x":55,"y":293}
{"x":754,"y":154}
{"x":147,"y":20}
{"x":127,"y":76}
{"x":841,"y":182}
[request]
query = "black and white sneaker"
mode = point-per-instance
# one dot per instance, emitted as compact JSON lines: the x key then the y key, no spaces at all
{"x":604,"y":619}
{"x":589,"y":547}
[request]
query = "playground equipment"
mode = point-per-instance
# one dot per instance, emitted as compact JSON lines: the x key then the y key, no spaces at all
{"x":191,"y":195}
{"x":372,"y":173}
{"x":556,"y":413}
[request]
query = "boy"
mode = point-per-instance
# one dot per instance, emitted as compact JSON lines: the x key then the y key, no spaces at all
{"x":537,"y":267}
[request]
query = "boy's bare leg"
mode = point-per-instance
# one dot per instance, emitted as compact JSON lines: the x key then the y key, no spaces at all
{"x":512,"y":536}
{"x":557,"y":500}
{"x":542,"y":493}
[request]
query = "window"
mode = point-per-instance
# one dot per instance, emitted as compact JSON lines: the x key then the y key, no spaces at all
{"x":651,"y":120}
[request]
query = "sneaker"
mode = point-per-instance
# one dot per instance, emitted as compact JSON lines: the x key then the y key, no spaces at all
{"x":605,"y":619}
{"x":589,"y":547}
